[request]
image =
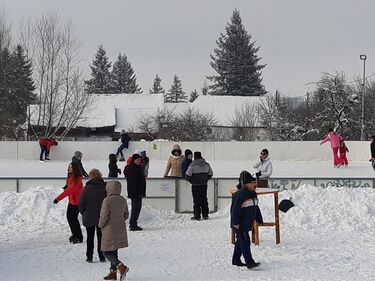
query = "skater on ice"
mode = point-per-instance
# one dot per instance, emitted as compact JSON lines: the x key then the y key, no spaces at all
{"x":45,"y":148}
{"x":114,"y":171}
{"x":90,"y":203}
{"x":334,"y":138}
{"x":244,"y":210}
{"x":113,"y":214}
{"x":343,"y":150}
{"x":125,"y":139}
{"x":73,"y":191}
{"x":77,"y":158}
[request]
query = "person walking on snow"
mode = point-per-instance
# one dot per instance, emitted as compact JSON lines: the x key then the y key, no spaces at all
{"x":77,"y":158}
{"x":136,"y":183}
{"x":372,"y":148}
{"x":264,"y":166}
{"x":198,"y":174}
{"x":244,"y":210}
{"x":334,"y":138}
{"x":174,"y":163}
{"x":45,"y":148}
{"x":124,"y":144}
{"x":113,"y":214}
{"x":114,"y":171}
{"x":343,"y":149}
{"x":73,"y":191}
{"x":89,"y":205}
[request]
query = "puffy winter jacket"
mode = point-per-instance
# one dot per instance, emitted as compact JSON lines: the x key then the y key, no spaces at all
{"x":175,"y":163}
{"x":73,"y":191}
{"x":136,"y":181}
{"x":199,"y":172}
{"x":334,"y":139}
{"x":48,"y":143}
{"x":265,"y":167}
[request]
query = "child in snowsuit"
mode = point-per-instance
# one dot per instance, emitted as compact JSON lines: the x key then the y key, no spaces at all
{"x":244,"y":210}
{"x":343,"y":150}
{"x":114,"y":171}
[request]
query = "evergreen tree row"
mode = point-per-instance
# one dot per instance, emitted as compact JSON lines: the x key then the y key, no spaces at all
{"x":121,"y":79}
{"x":16,"y":90}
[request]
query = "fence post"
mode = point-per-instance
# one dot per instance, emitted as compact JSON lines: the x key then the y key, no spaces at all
{"x":17,"y":185}
{"x":216,"y":194}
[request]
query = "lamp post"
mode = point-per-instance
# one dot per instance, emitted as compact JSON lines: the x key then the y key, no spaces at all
{"x":363,"y":57}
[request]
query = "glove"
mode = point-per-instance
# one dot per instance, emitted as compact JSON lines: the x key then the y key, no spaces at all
{"x":65,"y":187}
{"x":261,"y":159}
{"x":119,"y":171}
{"x":258,"y":174}
{"x":55,"y":201}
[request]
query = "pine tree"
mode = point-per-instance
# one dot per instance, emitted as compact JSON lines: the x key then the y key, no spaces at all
{"x":175,"y":94}
{"x":123,"y":77}
{"x":5,"y":85}
{"x":156,"y":87}
{"x":193,"y":95}
{"x":23,"y":84}
{"x":236,"y":62}
{"x":204,"y":88}
{"x":100,"y":82}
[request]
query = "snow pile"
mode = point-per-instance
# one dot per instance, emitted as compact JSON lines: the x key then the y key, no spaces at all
{"x":331,"y":209}
{"x":32,"y":210}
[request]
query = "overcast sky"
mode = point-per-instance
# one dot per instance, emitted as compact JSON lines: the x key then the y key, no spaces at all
{"x":298,"y":39}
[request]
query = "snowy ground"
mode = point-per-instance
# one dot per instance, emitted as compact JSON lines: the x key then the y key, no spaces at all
{"x":358,"y":169}
{"x":328,"y":235}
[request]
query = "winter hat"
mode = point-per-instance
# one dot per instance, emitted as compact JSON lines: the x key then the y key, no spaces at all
{"x":122,"y":132}
{"x":264,"y":151}
{"x":135,"y":156}
{"x":188,"y":152}
{"x":197,"y":155}
{"x":143,"y":153}
{"x":112,"y":157}
{"x":78,"y":154}
{"x":246,"y":177}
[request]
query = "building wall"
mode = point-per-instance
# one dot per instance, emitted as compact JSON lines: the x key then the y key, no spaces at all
{"x":160,"y":150}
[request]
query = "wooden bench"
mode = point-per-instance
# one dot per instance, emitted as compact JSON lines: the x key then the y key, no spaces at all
{"x":255,"y":228}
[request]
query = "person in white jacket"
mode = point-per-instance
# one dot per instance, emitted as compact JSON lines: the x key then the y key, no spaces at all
{"x":264,"y":166}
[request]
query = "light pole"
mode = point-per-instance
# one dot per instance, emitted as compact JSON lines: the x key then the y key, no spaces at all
{"x":363,"y":57}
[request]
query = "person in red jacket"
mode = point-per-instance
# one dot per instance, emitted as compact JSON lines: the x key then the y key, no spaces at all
{"x":73,"y":190}
{"x":343,"y":150}
{"x":45,"y":148}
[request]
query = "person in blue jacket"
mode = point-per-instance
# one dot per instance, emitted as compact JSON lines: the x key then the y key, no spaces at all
{"x":124,"y":144}
{"x":244,"y":210}
{"x":188,"y":160}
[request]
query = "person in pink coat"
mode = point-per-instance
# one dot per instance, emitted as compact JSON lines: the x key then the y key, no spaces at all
{"x":335,"y":139}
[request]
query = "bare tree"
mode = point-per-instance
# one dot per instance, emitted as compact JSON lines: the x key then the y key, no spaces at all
{"x":53,"y":49}
{"x":5,"y":31}
{"x":244,"y":121}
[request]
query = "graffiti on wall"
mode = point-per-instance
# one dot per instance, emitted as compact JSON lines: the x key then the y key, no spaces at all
{"x":351,"y":183}
{"x":292,"y":184}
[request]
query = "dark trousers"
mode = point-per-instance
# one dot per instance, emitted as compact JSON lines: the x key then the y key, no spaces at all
{"x":200,"y":202}
{"x":43,"y":150}
{"x":242,"y":247}
{"x":120,"y":149}
{"x":136,"y":210}
{"x":112,"y":256}
{"x":72,"y":216}
{"x":90,"y":241}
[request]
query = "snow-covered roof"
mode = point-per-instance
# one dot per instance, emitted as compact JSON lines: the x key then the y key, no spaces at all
{"x":98,"y":115}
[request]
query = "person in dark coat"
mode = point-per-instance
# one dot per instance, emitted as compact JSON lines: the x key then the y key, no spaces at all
{"x":372,"y":147}
{"x":188,"y":160}
{"x":244,"y":210}
{"x":124,"y":144}
{"x":198,"y":174}
{"x":90,"y":203}
{"x":114,"y":171}
{"x":136,"y":181}
{"x":45,"y":148}
{"x":77,"y":158}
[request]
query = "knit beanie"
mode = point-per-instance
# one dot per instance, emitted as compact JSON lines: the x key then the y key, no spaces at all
{"x":188,"y":152}
{"x":197,"y":155}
